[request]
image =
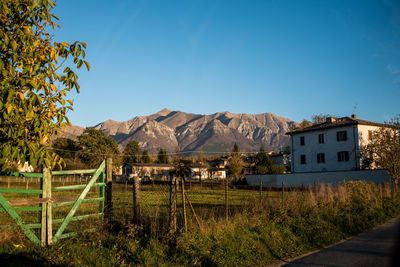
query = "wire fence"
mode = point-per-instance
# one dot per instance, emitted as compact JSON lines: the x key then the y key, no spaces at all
{"x":154,"y":205}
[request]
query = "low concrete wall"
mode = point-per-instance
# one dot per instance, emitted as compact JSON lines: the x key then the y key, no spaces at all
{"x":310,"y":178}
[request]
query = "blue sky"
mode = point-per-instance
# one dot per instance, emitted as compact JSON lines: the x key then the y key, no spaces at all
{"x":291,"y":58}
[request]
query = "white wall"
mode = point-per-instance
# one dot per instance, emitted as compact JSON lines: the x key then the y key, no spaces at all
{"x":363,"y":133}
{"x":330,"y":147}
{"x":298,"y":179}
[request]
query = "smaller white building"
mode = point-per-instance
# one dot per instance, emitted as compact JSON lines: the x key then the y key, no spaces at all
{"x":204,"y":173}
{"x":331,"y":146}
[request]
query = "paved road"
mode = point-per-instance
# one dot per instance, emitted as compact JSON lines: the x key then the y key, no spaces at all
{"x":379,"y":247}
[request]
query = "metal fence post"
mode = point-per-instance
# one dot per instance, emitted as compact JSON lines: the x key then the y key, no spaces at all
{"x":136,"y":200}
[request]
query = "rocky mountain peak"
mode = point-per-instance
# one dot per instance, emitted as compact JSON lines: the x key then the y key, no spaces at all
{"x":189,"y":132}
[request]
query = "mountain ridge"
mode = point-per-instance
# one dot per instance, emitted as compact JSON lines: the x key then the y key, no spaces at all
{"x":181,"y":131}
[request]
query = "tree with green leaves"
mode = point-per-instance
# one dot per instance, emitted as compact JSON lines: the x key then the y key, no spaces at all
{"x":383,"y":150}
{"x":68,"y":150}
{"x":65,"y":147}
{"x":34,"y":82}
{"x":265,"y":165}
{"x":264,"y":162}
{"x":162,"y":156}
{"x":235,"y":163}
{"x":146,"y":157}
{"x":97,"y":146}
{"x":132,"y":153}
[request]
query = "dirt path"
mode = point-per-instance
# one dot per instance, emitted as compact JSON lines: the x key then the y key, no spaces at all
{"x":379,"y":247}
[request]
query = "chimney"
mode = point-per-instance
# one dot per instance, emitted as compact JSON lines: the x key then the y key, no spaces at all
{"x":330,"y":119}
{"x":353,"y":116}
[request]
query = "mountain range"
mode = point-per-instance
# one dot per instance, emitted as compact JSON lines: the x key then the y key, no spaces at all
{"x":187,"y":132}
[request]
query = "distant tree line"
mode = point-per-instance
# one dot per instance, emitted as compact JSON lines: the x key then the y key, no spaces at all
{"x":93,"y":146}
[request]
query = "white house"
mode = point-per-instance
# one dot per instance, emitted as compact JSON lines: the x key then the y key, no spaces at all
{"x":203,"y":173}
{"x":330,"y":146}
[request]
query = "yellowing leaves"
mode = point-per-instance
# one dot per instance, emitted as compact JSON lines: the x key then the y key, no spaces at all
{"x":53,"y":87}
{"x":9,"y":108}
{"x":29,"y":116}
{"x":20,"y":95}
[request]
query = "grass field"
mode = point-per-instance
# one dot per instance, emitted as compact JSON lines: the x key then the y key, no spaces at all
{"x":256,"y":233}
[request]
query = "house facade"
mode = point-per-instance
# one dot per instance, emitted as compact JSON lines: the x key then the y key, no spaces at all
{"x":334,"y":145}
{"x":147,"y":171}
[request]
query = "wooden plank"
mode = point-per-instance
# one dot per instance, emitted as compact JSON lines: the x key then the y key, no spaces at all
{"x":191,"y":207}
{"x":20,"y":191}
{"x":32,"y":201}
{"x":78,"y":202}
{"x":43,"y":239}
{"x":90,"y":171}
{"x":49,"y":215}
{"x":23,"y":209}
{"x":71,"y":234}
{"x":63,"y":199}
{"x":67,"y":203}
{"x":76,"y":187}
{"x":67,"y":235}
{"x":34,"y":225}
{"x":78,"y":218}
{"x":22,"y":174}
{"x":14,"y":215}
{"x":101,"y":193}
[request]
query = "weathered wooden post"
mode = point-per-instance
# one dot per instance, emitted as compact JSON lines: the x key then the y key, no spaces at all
{"x":261,"y":188}
{"x":172,"y":204}
{"x":226,"y":198}
{"x":283,"y":190}
{"x":43,"y":222}
{"x":136,"y":200}
{"x":101,"y":193}
{"x":108,"y":204}
{"x":46,"y":221}
{"x":183,"y":206}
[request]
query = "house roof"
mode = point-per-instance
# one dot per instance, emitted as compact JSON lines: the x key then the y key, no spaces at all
{"x":338,"y":122}
{"x":149,"y":165}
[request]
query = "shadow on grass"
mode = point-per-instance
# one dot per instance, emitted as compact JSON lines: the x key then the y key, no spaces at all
{"x":23,"y":260}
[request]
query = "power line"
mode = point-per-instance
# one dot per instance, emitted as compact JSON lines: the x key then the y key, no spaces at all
{"x":155,"y":154}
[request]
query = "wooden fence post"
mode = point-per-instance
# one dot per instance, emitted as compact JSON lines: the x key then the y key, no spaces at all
{"x":226,"y":198}
{"x":101,"y":193}
{"x":172,"y":204}
{"x":261,"y":188}
{"x":136,"y":200}
{"x":46,"y":221}
{"x":183,"y":206}
{"x":43,"y":222}
{"x":108,"y":204}
{"x":283,"y":190}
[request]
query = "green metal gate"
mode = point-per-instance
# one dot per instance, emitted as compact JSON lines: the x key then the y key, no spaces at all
{"x":47,"y":203}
